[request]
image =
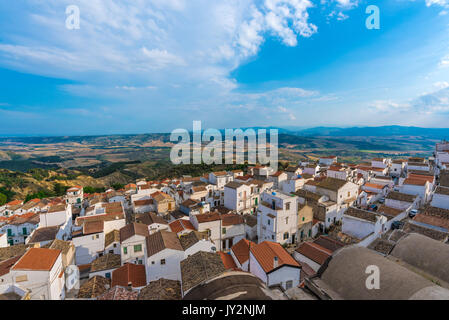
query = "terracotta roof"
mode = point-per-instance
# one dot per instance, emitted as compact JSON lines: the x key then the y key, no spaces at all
{"x":148,"y":218}
{"x":92,"y":227}
{"x":220,"y":173}
{"x":442,"y":191}
{"x":374,"y":185}
{"x":329,"y":243}
{"x":415,"y":182}
{"x":106,"y":262}
{"x":207,"y":217}
{"x":180,"y":225}
{"x":266,"y":251}
{"x":57,"y":208}
{"x":331,"y":184}
{"x":133,"y":229}
{"x":44,"y":234}
{"x":119,"y":293}
{"x":6,"y":265}
{"x":144,"y":202}
{"x":393,"y":195}
{"x":432,"y":220}
{"x":99,"y":217}
{"x":111,"y":237}
{"x":233,"y":185}
{"x":129,"y":273}
{"x":361,"y":214}
{"x":93,"y":288}
{"x":162,"y":240}
{"x":389,"y":210}
{"x":314,"y":252}
{"x":241,"y":250}
{"x":231,"y":219}
{"x":37,"y":259}
{"x":162,"y":289}
{"x":14,"y":203}
{"x":64,"y":246}
{"x":228,"y":261}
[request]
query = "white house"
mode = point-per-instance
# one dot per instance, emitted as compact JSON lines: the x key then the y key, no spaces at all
{"x":273,"y":265}
{"x":220,"y":178}
{"x":418,"y":187}
{"x":240,"y":253}
{"x":3,"y":240}
{"x":163,"y":256}
{"x":41,"y":272}
{"x":277,"y":217}
{"x":89,"y":242}
{"x":361,"y":223}
{"x":75,"y":196}
{"x":239,"y":197}
{"x":194,"y":241}
{"x":133,"y":241}
{"x":440,"y":198}
{"x":399,"y":200}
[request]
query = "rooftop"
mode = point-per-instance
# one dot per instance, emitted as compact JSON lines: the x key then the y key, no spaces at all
{"x":106,"y":262}
{"x":162,"y":289}
{"x":37,"y":259}
{"x":129,"y":273}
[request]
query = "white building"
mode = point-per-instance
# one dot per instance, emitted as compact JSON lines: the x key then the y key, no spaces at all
{"x":133,"y":242}
{"x":89,"y":242}
{"x":41,"y":272}
{"x":277,"y":217}
{"x":362,"y":224}
{"x":440,"y":198}
{"x":163,"y":256}
{"x":273,"y":265}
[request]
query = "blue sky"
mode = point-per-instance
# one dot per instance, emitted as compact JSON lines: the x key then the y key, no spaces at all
{"x":157,"y":65}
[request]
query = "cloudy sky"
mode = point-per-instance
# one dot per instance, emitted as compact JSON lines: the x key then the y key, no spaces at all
{"x":156,"y":65}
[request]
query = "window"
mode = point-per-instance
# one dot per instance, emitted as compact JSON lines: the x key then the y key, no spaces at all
{"x":272,"y":237}
{"x":108,"y":275}
{"x":162,"y":261}
{"x":223,"y":230}
{"x":328,"y":219}
{"x":269,"y":221}
{"x":138,"y":248}
{"x":286,"y":220}
{"x":286,"y":236}
{"x":349,"y":193}
{"x":288,"y":284}
{"x":303,"y":218}
{"x":115,"y":245}
{"x":287,"y":206}
{"x":125,"y":250}
{"x":97,"y":236}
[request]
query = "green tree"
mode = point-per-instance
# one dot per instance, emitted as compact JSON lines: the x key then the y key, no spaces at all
{"x":3,"y":199}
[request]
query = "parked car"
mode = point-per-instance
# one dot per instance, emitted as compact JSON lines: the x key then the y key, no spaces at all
{"x":397,"y":225}
{"x":413,"y":213}
{"x":382,"y":200}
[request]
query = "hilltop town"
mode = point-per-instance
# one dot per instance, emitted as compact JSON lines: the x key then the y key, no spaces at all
{"x":308,"y":232}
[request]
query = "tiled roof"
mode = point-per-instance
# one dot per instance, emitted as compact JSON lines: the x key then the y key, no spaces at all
{"x":266,"y":251}
{"x":393,"y":195}
{"x":100,"y":217}
{"x":314,"y":252}
{"x":432,"y":220}
{"x":228,"y":261}
{"x":133,"y":229}
{"x":207,"y":217}
{"x":64,"y":246}
{"x":231,"y":219}
{"x":6,"y":265}
{"x":428,"y":232}
{"x":373,"y":185}
{"x":57,"y":208}
{"x":180,"y":225}
{"x":162,"y":289}
{"x":119,"y":293}
{"x":200,"y":267}
{"x":189,"y":239}
{"x":162,"y":240}
{"x":361,"y":214}
{"x":329,"y":243}
{"x":144,"y":202}
{"x":111,"y":237}
{"x":44,"y":234}
{"x":38,"y":259}
{"x":415,"y":182}
{"x":389,"y":210}
{"x":129,"y":273}
{"x":331,"y":184}
{"x":241,"y":250}
{"x":149,"y":218}
{"x":91,"y":227}
{"x":13,"y":251}
{"x":106,"y":262}
{"x":442,"y":190}
{"x":94,"y":287}
{"x":233,"y":184}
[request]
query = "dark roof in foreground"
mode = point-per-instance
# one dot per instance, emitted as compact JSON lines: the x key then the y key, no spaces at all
{"x":345,"y":278}
{"x":232,"y":286}
{"x":200,"y":267}
{"x":106,"y":262}
{"x":13,"y":251}
{"x":162,"y":289}
{"x":94,"y":287}
{"x":44,"y":234}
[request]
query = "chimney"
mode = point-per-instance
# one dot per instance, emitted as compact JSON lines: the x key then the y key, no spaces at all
{"x":275,"y":262}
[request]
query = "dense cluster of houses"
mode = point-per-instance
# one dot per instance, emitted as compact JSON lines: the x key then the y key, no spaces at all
{"x":280,"y":235}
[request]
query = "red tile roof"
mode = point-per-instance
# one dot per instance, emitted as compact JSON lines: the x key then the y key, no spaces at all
{"x":314,"y":252}
{"x":228,"y":261}
{"x":181,"y":225}
{"x":266,"y":251}
{"x":129,"y":273}
{"x":38,"y":259}
{"x":241,"y":250}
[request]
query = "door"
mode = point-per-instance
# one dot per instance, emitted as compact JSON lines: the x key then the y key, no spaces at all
{"x":24,"y":231}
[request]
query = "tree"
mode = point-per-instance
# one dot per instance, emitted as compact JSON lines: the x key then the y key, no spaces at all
{"x":59,"y":189}
{"x":3,"y":199}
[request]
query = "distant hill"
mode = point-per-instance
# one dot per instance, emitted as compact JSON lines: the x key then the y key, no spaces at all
{"x":383,"y":131}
